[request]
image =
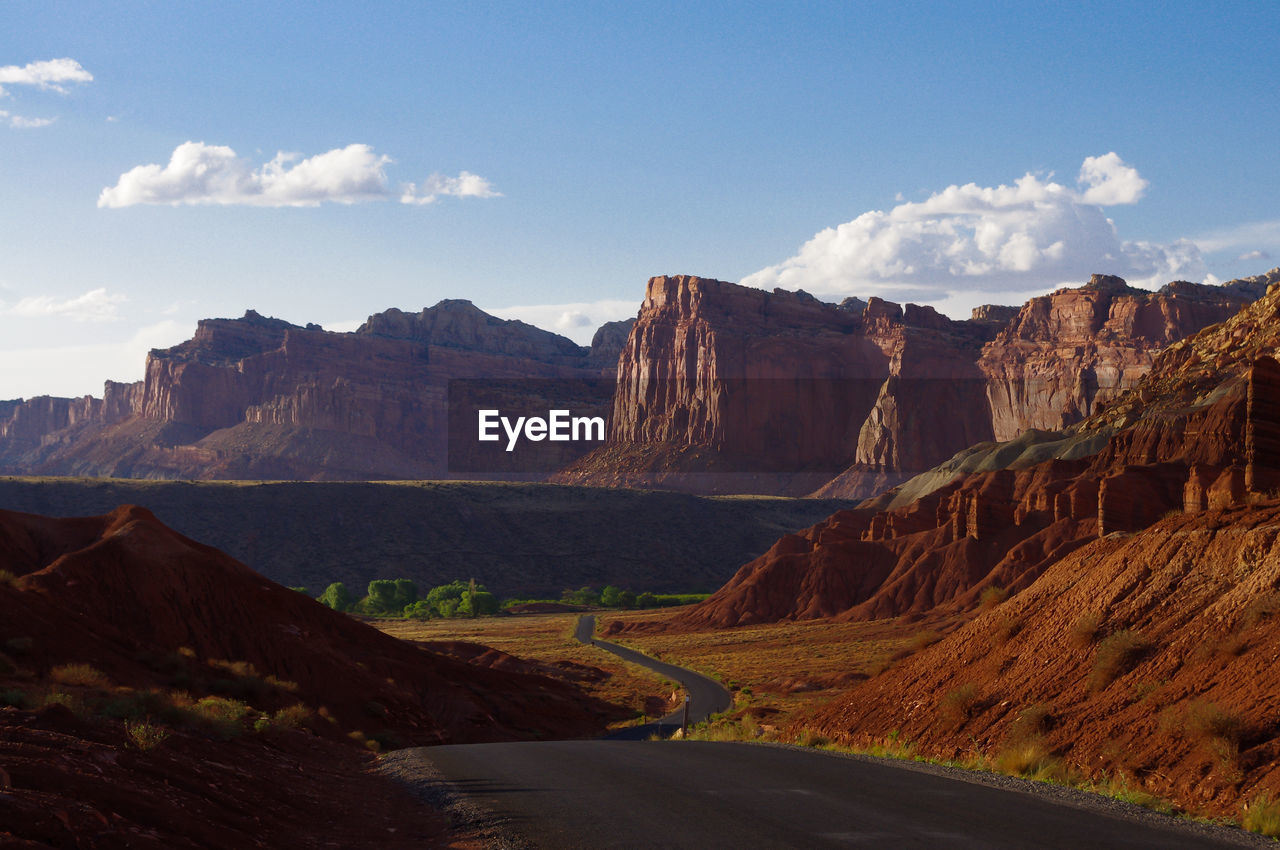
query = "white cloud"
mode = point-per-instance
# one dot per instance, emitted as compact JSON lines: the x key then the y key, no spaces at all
{"x":47,"y":74}
{"x":465,"y":185}
{"x":214,"y":174}
{"x":1033,"y":235}
{"x":1255,"y":254}
{"x":1110,"y":181}
{"x":22,"y":123}
{"x":97,"y":305}
{"x":578,"y":320}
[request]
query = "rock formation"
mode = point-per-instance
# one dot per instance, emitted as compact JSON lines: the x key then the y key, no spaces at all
{"x":1196,"y":433}
{"x":259,"y":397}
{"x":731,"y":389}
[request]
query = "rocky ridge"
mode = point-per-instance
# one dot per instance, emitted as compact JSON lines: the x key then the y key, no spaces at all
{"x":260,"y":397}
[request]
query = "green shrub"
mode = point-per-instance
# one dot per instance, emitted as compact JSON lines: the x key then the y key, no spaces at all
{"x":224,"y":717}
{"x":7,"y":579}
{"x":145,"y":735}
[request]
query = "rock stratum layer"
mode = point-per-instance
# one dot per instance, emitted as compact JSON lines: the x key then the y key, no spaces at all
{"x":1197,"y":432}
{"x":722,"y":387}
{"x":260,"y":398}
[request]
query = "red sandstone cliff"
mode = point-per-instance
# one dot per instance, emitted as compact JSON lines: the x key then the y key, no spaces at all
{"x":262,"y":398}
{"x":730,"y":389}
{"x":1200,"y":431}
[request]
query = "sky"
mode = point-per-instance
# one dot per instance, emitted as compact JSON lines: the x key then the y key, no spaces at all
{"x":167,"y":161}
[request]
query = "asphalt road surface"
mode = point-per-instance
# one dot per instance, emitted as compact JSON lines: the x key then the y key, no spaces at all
{"x":706,"y":696}
{"x":689,"y":794}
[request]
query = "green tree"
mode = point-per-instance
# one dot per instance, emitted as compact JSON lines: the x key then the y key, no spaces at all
{"x":382,"y":597}
{"x":610,"y":597}
{"x":337,"y":597}
{"x":477,"y":603}
{"x":646,"y":600}
{"x":627,"y":599}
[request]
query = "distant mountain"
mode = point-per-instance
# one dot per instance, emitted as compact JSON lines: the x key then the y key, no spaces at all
{"x":260,"y":398}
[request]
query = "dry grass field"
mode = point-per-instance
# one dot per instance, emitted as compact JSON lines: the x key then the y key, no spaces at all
{"x":780,"y":671}
{"x":777,"y":672}
{"x":547,"y":639}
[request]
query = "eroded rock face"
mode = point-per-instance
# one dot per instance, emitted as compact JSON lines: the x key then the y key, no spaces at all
{"x":1182,"y":440}
{"x":1067,"y":353}
{"x":259,"y":397}
{"x":719,"y":381}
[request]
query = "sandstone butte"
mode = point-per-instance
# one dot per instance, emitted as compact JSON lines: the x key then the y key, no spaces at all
{"x":260,"y":398}
{"x":160,"y":616}
{"x":724,"y":388}
{"x":1200,"y":430}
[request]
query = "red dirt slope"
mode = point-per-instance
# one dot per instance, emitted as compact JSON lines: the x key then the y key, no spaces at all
{"x":1191,"y":711}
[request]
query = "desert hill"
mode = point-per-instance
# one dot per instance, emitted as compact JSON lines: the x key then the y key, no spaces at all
{"x":1146,"y":656}
{"x":1200,"y":430}
{"x":123,"y":593}
{"x":261,"y":398}
{"x":518,"y":539}
{"x":155,"y":692}
{"x":731,"y":389}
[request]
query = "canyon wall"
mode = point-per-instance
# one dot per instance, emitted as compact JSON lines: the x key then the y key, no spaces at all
{"x":1196,"y":433}
{"x":724,"y":388}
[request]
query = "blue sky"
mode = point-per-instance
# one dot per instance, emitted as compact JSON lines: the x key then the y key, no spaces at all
{"x":553,"y":156}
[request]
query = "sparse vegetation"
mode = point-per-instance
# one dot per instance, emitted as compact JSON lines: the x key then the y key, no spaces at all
{"x":959,"y":704}
{"x":7,"y":579}
{"x":81,"y":675}
{"x":1032,"y":759}
{"x":812,"y":738}
{"x":1118,"y":653}
{"x":923,"y":640}
{"x":224,"y":717}
{"x":992,"y":596}
{"x":1262,"y":815}
{"x":1004,"y":628}
{"x":1086,"y":629}
{"x":144,"y":735}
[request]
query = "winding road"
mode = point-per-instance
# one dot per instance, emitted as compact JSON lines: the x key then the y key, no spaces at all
{"x":667,"y":794}
{"x":706,"y":696}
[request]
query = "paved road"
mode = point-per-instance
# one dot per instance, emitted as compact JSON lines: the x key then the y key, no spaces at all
{"x":706,"y":696}
{"x":673,"y":794}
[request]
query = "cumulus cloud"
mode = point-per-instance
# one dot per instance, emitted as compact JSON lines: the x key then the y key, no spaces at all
{"x":97,"y":305}
{"x":1034,"y":234}
{"x":47,"y":74}
{"x":465,"y":185}
{"x":198,"y":173}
